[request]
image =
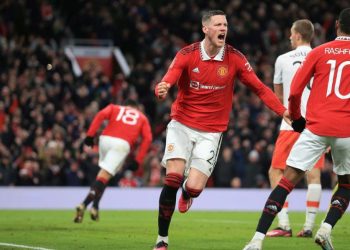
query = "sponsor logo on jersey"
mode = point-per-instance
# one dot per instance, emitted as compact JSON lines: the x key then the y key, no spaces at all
{"x":222,"y":71}
{"x":198,"y":85}
{"x":170,"y":147}
{"x":195,"y":70}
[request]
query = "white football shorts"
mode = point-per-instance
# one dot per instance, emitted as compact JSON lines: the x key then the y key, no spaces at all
{"x":112,"y":153}
{"x":199,"y":149}
{"x":309,"y":148}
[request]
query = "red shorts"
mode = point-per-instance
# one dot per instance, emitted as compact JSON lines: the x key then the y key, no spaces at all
{"x":284,"y":144}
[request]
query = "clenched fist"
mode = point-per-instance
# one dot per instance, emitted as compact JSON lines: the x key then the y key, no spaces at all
{"x":161,"y":90}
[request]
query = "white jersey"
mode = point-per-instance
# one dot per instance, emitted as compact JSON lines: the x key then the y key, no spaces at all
{"x":285,"y":67}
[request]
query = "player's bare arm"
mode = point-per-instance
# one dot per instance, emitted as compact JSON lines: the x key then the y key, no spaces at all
{"x":287,"y":118}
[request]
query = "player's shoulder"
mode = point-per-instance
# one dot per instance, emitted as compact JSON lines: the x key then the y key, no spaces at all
{"x":111,"y":106}
{"x":144,"y":119}
{"x":321,"y":50}
{"x":189,"y":49}
{"x":233,"y":51}
{"x":287,"y":55}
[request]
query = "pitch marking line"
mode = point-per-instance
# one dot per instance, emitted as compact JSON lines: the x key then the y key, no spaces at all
{"x":22,"y":246}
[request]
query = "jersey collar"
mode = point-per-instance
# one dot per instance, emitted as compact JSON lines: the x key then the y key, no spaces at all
{"x":219,"y":56}
{"x":343,"y":38}
{"x":303,"y":47}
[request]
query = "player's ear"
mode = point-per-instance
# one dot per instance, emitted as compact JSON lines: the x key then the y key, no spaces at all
{"x":299,"y":37}
{"x":336,"y":25}
{"x":204,"y":29}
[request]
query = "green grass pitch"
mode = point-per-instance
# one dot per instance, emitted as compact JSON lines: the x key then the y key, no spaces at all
{"x":137,"y":230}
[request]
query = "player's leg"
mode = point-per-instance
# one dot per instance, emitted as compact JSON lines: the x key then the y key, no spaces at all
{"x":191,"y":188}
{"x":167,"y":199}
{"x":274,"y":205}
{"x":283,"y":146}
{"x":178,"y":149}
{"x":283,"y":229}
{"x":339,"y":204}
{"x":340,"y":199}
{"x":203,"y":160}
{"x":95,"y":192}
{"x":312,"y":147}
{"x":313,"y":197}
{"x":112,"y":154}
{"x":101,"y":183}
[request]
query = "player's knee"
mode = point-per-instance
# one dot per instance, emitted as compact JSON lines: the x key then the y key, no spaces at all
{"x":193,"y":192}
{"x":173,"y":180}
{"x":272,"y":207}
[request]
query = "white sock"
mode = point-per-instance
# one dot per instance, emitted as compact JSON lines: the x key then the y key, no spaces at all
{"x":283,"y":218}
{"x":161,"y":238}
{"x":258,"y":236}
{"x":313,"y":197}
{"x":327,"y":227}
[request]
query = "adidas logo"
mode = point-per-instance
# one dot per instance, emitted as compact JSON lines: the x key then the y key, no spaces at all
{"x":272,"y":207}
{"x":336,"y":203}
{"x":195,"y":70}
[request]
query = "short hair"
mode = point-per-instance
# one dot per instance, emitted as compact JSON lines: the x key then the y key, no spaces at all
{"x":130,"y":102}
{"x":305,"y":28}
{"x":344,"y":21}
{"x":209,"y":13}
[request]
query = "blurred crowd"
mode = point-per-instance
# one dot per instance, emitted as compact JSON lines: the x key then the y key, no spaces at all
{"x":45,"y":109}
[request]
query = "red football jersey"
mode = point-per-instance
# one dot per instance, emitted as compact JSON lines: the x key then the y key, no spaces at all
{"x":205,"y":86}
{"x":328,"y":107}
{"x":125,"y":123}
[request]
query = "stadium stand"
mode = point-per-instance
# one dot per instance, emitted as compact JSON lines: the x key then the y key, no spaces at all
{"x":45,"y":109}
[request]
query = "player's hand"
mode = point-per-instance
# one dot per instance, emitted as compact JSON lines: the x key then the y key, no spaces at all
{"x":287,"y":118}
{"x":133,"y":165}
{"x":162,"y":90}
{"x":89,"y":141}
{"x":299,"y":124}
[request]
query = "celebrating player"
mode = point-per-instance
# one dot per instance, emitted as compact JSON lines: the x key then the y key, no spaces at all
{"x":126,"y":124}
{"x":204,"y":73}
{"x":327,"y":124}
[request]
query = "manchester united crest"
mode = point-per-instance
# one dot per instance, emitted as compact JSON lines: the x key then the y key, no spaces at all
{"x":170,"y":148}
{"x":222,"y":71}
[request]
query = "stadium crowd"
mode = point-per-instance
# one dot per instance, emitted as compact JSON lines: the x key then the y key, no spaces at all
{"x":45,"y":109}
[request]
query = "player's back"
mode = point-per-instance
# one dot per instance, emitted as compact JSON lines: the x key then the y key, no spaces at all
{"x":329,"y":102}
{"x":124,"y":122}
{"x":285,"y":68}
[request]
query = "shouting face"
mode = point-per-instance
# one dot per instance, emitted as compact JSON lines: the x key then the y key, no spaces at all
{"x":215,"y":30}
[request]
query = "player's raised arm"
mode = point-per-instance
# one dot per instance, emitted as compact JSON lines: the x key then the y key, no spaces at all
{"x":173,"y":74}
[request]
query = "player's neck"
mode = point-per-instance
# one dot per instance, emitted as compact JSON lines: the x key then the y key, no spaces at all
{"x":210,"y":49}
{"x":339,"y":33}
{"x":303,"y":44}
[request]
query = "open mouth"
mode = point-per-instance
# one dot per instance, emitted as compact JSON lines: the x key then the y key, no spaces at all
{"x":221,"y":37}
